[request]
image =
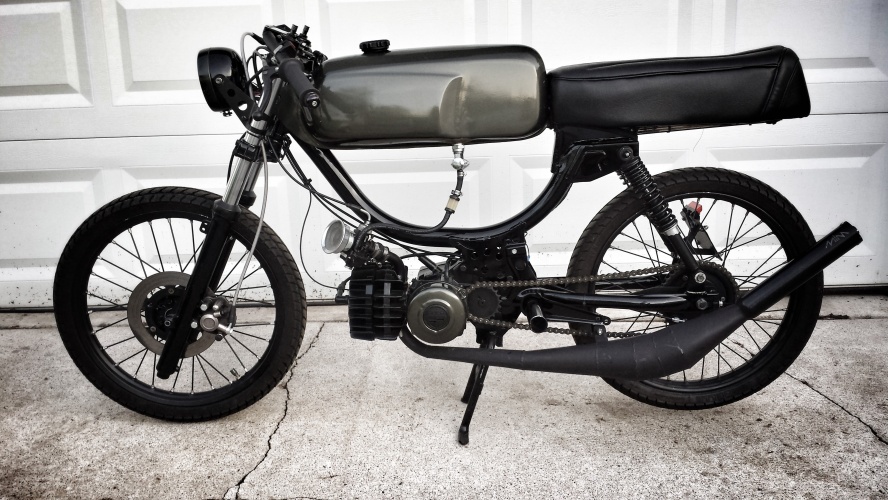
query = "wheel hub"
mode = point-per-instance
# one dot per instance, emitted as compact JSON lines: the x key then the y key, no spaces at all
{"x":151,"y":309}
{"x":719,"y":285}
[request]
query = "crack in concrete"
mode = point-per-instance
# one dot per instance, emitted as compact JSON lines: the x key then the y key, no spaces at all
{"x":868,"y":426}
{"x":312,"y":343}
{"x":236,"y":493}
{"x":806,"y":383}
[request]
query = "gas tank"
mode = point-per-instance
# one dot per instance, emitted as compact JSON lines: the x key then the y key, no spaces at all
{"x":422,"y":97}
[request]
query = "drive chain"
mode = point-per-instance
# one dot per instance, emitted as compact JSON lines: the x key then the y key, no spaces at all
{"x":571,"y":280}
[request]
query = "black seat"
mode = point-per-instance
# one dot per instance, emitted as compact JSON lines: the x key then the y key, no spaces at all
{"x":764,"y":85}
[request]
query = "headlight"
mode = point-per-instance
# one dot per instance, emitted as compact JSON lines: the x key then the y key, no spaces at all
{"x":216,"y":61}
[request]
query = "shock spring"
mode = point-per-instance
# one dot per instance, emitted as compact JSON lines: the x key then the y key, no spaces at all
{"x":635,"y":175}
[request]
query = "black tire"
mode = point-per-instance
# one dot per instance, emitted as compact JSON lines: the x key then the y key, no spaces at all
{"x":106,"y":263}
{"x":616,"y":231}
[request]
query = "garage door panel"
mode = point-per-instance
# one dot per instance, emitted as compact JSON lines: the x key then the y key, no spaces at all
{"x":38,"y":208}
{"x":131,"y":115}
{"x":838,"y":176}
{"x":60,"y":76}
{"x":838,"y":43}
{"x":578,"y":31}
{"x":346,"y":23}
{"x":152,"y":46}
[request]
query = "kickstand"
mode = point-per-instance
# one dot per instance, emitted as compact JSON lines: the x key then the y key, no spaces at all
{"x":473,"y":388}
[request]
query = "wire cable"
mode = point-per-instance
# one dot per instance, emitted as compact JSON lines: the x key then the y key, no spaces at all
{"x":301,"y":259}
{"x":255,"y":238}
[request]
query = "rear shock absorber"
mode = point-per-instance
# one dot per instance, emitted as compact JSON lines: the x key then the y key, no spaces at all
{"x":635,"y":175}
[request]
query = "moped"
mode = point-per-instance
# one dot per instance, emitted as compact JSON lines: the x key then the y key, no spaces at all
{"x":691,"y":289}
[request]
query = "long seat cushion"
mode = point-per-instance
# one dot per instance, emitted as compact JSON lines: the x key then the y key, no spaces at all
{"x":764,"y":85}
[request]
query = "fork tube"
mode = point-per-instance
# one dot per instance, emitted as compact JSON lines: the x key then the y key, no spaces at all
{"x":210,"y":263}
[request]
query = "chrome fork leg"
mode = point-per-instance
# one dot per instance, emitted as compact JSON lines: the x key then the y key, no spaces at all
{"x":209,"y":264}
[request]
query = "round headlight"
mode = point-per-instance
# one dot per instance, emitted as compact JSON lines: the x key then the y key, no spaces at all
{"x":217,"y":61}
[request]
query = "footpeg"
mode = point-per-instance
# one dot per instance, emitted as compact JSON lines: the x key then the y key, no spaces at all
{"x":534,"y":313}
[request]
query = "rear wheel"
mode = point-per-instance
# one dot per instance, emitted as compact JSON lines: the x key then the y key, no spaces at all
{"x":119,"y":280}
{"x":754,"y":232}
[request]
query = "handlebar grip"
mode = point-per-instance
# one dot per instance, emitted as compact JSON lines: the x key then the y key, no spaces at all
{"x":293,"y":73}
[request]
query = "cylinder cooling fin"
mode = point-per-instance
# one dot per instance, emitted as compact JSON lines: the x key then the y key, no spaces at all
{"x":376,"y":303}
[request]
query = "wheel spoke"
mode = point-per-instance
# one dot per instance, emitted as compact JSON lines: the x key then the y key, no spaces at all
{"x":118,"y":267}
{"x":235,"y":353}
{"x":205,"y":360}
{"x":249,"y":335}
{"x":178,"y":370}
{"x":757,"y":346}
{"x":654,"y":263}
{"x":136,"y":255}
{"x":200,"y":362}
{"x":156,"y":247}
{"x":105,"y":348}
{"x":761,"y":266}
{"x":762,"y":328}
{"x":135,"y":375}
{"x":109,"y":281}
{"x":131,"y":356}
{"x":739,"y":228}
{"x":194,"y":255}
{"x":232,"y":269}
{"x":106,"y":300}
{"x":243,"y":345}
{"x":175,"y":246}
{"x":235,"y":285}
{"x":110,"y":325}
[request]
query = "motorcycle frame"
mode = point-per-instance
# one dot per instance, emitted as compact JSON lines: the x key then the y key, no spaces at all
{"x":580,"y":155}
{"x":582,"y":160}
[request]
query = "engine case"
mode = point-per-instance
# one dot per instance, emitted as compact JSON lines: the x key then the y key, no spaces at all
{"x":436,"y":312}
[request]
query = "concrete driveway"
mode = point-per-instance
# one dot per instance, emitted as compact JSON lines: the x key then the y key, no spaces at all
{"x":372,"y":420}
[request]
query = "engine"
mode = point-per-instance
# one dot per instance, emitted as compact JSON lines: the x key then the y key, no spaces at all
{"x":379,"y":301}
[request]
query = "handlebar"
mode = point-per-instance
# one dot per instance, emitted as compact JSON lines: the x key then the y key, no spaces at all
{"x":292,"y":70}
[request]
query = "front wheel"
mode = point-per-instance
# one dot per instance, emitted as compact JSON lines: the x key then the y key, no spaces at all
{"x":119,"y":280}
{"x":754,"y":231}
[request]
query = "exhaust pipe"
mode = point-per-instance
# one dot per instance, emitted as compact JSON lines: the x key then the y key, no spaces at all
{"x":672,"y":349}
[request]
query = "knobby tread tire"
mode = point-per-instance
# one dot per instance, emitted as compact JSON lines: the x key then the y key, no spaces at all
{"x":774,"y":358}
{"x":74,"y":326}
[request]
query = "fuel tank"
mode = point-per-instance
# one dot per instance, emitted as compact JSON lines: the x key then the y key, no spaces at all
{"x":422,"y":97}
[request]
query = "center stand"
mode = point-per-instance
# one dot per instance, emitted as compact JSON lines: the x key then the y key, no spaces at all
{"x":486,"y":340}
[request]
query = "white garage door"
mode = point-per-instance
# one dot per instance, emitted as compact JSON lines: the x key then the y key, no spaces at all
{"x":99,"y":98}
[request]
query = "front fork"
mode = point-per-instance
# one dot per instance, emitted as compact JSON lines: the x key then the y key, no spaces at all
{"x":210,"y":263}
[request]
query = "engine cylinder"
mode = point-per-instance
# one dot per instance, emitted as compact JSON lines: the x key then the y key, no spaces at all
{"x":376,"y":303}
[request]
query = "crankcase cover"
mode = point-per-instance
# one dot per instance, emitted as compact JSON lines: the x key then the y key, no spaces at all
{"x":430,"y":96}
{"x":436,"y":313}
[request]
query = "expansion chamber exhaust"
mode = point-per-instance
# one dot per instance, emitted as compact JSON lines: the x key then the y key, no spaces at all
{"x":672,"y":349}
